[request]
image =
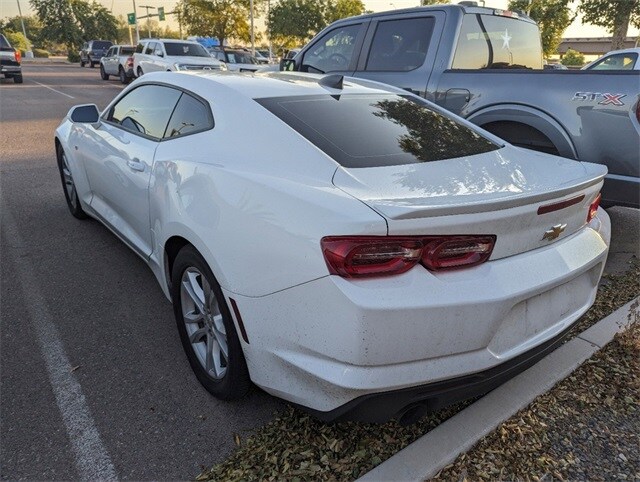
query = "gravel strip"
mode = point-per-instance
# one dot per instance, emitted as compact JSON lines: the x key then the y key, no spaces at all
{"x":586,"y":428}
{"x":295,"y":446}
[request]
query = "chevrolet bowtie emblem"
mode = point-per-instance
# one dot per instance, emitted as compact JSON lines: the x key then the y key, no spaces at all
{"x":554,"y":232}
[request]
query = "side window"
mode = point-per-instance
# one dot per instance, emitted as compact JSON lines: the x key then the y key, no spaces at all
{"x":400,"y":45}
{"x":334,"y":51}
{"x":145,"y":110}
{"x":151,"y":46}
{"x":189,"y":116}
{"x":617,"y":62}
{"x":111,"y":52}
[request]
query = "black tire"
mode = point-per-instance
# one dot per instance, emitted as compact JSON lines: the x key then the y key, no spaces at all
{"x":235,"y":382}
{"x":139,"y":72}
{"x":103,"y":74}
{"x":91,"y":64}
{"x":123,"y":77}
{"x":81,"y":63}
{"x":17,"y":79}
{"x":73,"y":203}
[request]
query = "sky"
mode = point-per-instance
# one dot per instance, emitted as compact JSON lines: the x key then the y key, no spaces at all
{"x":9,"y":8}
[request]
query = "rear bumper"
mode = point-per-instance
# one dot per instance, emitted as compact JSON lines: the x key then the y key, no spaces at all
{"x":365,"y":349}
{"x":10,"y":69}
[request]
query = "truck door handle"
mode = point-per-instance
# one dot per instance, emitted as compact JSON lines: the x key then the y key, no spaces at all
{"x":136,"y":164}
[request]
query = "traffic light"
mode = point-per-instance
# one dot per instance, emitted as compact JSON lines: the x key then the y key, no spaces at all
{"x":161,"y":13}
{"x":131,"y":18}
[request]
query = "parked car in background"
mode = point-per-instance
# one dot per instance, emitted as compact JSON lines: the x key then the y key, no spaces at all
{"x":625,"y":59}
{"x":555,"y":66}
{"x":10,"y":61}
{"x":237,"y":60}
{"x":485,"y":64}
{"x":92,"y":51}
{"x":261,"y":58}
{"x":153,"y":55}
{"x":272,"y":58}
{"x":367,"y":256}
{"x":118,"y":61}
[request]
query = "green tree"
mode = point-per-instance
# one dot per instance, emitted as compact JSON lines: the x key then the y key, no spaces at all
{"x":573,"y":58}
{"x":71,"y":22}
{"x":553,"y":18}
{"x":300,"y":19}
{"x":17,"y":40}
{"x":31,"y":24}
{"x":337,"y":9}
{"x":614,"y":15}
{"x":223,"y":19}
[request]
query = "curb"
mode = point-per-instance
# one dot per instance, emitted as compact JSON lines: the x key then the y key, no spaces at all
{"x":425,"y":457}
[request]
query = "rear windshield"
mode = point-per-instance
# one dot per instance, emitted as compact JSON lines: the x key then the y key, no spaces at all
{"x":377,"y":130}
{"x":236,"y":57}
{"x":127,"y":50}
{"x":4,"y":44}
{"x":184,"y":48}
{"x":495,"y":42}
{"x":101,"y":45}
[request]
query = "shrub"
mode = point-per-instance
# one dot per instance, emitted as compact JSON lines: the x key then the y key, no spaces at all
{"x":73,"y":56}
{"x":41,"y":53}
{"x":573,"y":58}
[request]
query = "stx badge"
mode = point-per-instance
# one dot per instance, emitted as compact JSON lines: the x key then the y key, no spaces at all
{"x":607,"y":98}
{"x":554,"y":232}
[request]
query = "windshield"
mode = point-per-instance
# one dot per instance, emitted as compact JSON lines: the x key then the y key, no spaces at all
{"x":127,"y":50}
{"x":185,"y":48}
{"x":240,"y":58}
{"x":496,"y":42}
{"x":377,"y":130}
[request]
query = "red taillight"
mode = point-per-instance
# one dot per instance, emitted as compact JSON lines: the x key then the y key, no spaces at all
{"x":130,"y":62}
{"x":17,"y":55}
{"x":366,"y":256}
{"x":593,"y":209}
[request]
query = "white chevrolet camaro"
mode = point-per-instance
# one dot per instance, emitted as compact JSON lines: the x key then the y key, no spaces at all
{"x":342,"y":244}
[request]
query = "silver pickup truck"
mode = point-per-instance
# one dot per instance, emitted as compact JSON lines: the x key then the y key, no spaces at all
{"x":486,"y":65}
{"x":118,"y":61}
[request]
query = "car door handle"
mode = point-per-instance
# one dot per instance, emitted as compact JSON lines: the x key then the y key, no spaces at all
{"x":136,"y":164}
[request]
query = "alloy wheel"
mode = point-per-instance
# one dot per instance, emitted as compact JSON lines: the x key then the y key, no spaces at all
{"x":69,"y":185}
{"x":204,"y":324}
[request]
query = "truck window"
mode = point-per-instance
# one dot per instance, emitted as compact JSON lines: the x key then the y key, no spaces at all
{"x":624,"y":61}
{"x":400,"y":45}
{"x":334,"y":51}
{"x":496,"y":42}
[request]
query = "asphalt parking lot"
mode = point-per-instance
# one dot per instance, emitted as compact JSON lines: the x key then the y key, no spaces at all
{"x":82,"y":314}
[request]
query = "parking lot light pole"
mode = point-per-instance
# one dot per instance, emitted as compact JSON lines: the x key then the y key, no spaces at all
{"x":29,"y":53}
{"x":137,"y":28}
{"x":148,"y":17}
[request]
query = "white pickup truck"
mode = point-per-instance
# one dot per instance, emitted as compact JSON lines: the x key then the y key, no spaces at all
{"x":118,"y":61}
{"x":153,"y":55}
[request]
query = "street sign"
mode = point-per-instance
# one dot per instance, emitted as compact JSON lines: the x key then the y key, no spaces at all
{"x":161,"y":13}
{"x":131,"y":18}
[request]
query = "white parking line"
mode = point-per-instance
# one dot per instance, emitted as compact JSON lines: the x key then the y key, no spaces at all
{"x":91,"y":458}
{"x":51,"y":88}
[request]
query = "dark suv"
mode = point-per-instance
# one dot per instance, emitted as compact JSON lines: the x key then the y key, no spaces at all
{"x":92,"y":51}
{"x":10,"y":61}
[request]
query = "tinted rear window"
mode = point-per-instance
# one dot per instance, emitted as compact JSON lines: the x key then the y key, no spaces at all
{"x":3,"y":43}
{"x":127,"y":50}
{"x":377,"y":130}
{"x":101,"y":45}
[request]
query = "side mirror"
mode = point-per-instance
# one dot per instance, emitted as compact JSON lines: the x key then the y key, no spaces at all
{"x":86,"y":113}
{"x":159,"y":53}
{"x":288,"y":65}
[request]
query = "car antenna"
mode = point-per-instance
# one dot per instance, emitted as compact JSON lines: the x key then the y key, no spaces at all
{"x":334,"y":81}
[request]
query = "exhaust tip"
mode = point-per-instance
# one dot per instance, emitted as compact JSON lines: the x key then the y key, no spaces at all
{"x":412,"y":414}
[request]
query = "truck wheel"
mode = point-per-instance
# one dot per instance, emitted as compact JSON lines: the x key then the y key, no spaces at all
{"x":17,"y":79}
{"x":91,"y":63}
{"x":522,"y":135}
{"x":139,"y":73}
{"x":81,"y":63}
{"x":123,"y":77}
{"x":103,"y":74}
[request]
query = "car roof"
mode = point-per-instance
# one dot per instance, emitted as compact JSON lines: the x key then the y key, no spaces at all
{"x":635,"y":50}
{"x":265,"y":84}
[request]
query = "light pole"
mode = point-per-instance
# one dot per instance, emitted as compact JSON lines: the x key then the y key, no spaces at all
{"x":28,"y":53}
{"x":135,"y":13}
{"x":253,"y":38}
{"x":148,"y":17}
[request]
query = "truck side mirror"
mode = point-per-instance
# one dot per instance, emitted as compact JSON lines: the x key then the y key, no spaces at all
{"x":288,"y":65}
